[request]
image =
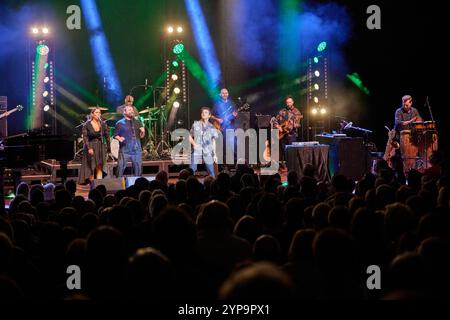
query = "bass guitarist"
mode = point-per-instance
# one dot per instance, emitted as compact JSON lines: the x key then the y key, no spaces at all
{"x":223,"y":116}
{"x":224,"y":111}
{"x":288,"y":122}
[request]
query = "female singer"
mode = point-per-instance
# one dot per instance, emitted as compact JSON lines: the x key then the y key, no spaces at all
{"x":95,"y":152}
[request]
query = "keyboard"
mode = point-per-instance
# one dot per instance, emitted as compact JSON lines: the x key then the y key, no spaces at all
{"x":306,"y":144}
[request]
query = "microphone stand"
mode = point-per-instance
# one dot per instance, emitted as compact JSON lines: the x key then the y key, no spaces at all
{"x":139,"y":86}
{"x":427,"y":103}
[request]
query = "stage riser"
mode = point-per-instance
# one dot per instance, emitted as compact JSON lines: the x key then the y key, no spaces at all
{"x":149,"y":168}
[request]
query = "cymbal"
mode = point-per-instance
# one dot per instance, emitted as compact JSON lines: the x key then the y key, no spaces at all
{"x":147,"y":110}
{"x":100,"y":108}
{"x":111,"y":115}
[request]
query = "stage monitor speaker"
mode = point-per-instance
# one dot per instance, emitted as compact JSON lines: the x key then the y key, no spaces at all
{"x":3,"y":121}
{"x":131,"y":180}
{"x":112,"y":184}
{"x":243,"y":120}
{"x":347,"y":156}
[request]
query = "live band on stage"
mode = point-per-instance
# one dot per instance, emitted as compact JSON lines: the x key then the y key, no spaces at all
{"x":129,"y":135}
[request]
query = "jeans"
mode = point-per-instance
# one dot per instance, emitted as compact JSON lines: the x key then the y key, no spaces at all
{"x":136,"y":161}
{"x":209,"y":164}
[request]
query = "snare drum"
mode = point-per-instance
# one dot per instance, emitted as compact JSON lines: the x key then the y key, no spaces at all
{"x":419,"y":125}
{"x":115,"y":146}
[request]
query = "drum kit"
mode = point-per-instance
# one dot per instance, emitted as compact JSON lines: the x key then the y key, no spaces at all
{"x":427,"y":141}
{"x":417,"y":144}
{"x":154,"y":120}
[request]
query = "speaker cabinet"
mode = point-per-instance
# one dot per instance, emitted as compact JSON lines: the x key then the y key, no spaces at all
{"x":112,"y":184}
{"x":263,"y":121}
{"x":347,"y":156}
{"x":131,"y":180}
{"x":243,"y":120}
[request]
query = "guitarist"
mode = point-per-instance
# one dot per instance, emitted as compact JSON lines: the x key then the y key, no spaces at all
{"x":223,"y":115}
{"x":224,"y":110}
{"x":288,"y":122}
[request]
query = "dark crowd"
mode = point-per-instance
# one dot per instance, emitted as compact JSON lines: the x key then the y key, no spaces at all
{"x":240,"y":236}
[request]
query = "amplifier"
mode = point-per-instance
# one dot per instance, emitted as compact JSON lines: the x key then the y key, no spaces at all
{"x":242,"y":120}
{"x":347,"y":156}
{"x":263,"y":120}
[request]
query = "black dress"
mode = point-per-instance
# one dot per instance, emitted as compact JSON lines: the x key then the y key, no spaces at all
{"x":99,"y":142}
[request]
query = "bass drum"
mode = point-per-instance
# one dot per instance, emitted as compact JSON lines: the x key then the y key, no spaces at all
{"x":115,"y":146}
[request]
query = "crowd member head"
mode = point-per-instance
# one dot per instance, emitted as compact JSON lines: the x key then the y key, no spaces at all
{"x":261,"y":281}
{"x":71,"y":186}
{"x":49,"y":194}
{"x":23,"y":189}
{"x":150,"y":275}
{"x":214,"y":217}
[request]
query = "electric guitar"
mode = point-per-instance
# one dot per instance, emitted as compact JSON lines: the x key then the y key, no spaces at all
{"x":7,"y":113}
{"x":227,"y":117}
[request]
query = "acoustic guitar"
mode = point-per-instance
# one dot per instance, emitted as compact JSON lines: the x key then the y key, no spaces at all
{"x":391,"y":146}
{"x":282,"y":127}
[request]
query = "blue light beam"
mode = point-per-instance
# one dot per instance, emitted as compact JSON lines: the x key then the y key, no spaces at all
{"x":104,"y":63}
{"x":203,"y":40}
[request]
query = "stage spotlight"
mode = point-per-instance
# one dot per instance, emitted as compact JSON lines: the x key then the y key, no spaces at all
{"x":46,"y":79}
{"x":180,"y":29}
{"x":170,"y":29}
{"x":174,"y":77}
{"x":175,"y":64}
{"x":316,"y":100}
{"x":45,"y":94}
{"x":316,"y":87}
{"x":178,"y":48}
{"x":323,"y":111}
{"x":316,"y":60}
{"x":34,"y":30}
{"x":45,"y":30}
{"x":176,"y":104}
{"x":46,"y":107}
{"x":46,"y":65}
{"x":314,"y":111}
{"x":42,"y":50}
{"x":322,"y":46}
{"x":317,"y":73}
{"x":177,"y":90}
